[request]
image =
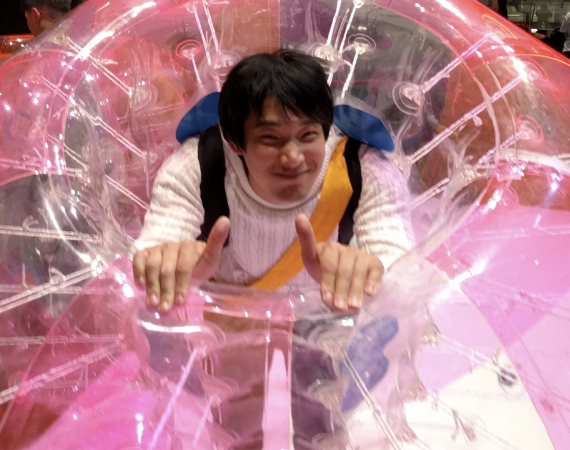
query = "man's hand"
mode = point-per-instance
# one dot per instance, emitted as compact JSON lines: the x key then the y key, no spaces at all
{"x":346,"y":274}
{"x":166,"y":270}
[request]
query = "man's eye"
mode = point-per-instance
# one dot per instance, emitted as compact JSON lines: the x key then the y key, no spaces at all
{"x":310,"y":134}
{"x":269,"y":137}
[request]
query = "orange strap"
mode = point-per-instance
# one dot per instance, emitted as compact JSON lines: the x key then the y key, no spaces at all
{"x":335,"y":195}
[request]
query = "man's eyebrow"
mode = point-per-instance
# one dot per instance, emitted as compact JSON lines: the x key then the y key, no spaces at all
{"x":274,"y":123}
{"x":267,"y":123}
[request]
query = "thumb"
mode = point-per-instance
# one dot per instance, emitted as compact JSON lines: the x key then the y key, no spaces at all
{"x":212,"y":253}
{"x":308,"y":243}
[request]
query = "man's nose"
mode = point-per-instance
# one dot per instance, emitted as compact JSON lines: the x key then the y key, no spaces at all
{"x":292,"y":154}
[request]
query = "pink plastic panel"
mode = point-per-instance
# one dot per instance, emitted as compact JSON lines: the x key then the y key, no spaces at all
{"x":234,"y":368}
{"x":111,"y":374}
{"x":510,"y":258}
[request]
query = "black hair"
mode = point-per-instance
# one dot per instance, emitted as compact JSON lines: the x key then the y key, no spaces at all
{"x":296,"y":79}
{"x":54,"y":8}
{"x":76,"y":3}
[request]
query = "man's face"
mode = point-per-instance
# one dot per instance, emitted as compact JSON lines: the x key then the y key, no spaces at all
{"x":283,"y":153}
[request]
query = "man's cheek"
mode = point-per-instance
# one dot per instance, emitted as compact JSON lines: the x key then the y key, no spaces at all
{"x":318,"y":155}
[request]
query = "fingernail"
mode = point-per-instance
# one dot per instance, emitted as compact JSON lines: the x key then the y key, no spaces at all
{"x":340,"y":303}
{"x":164,"y":307}
{"x":354,"y":302}
{"x":370,"y":289}
{"x":141,"y":281}
{"x":179,"y":299}
{"x":153,"y":300}
{"x":327,"y":296}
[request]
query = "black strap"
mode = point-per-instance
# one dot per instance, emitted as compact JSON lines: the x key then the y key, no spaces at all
{"x":213,"y":190}
{"x":346,"y":224}
{"x":212,"y":186}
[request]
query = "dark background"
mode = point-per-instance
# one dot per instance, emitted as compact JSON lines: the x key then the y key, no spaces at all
{"x":12,"y":20}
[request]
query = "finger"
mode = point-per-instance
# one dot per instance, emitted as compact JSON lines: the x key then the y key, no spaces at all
{"x":152,"y":272}
{"x":328,"y":260}
{"x":343,"y":279}
{"x":139,"y":267}
{"x":308,"y":243}
{"x":375,"y":273}
{"x":359,"y":278}
{"x":170,"y":253}
{"x":189,"y":254}
{"x":212,"y":253}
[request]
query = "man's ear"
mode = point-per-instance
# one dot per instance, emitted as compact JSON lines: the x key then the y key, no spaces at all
{"x":36,"y":15}
{"x":238,"y":151}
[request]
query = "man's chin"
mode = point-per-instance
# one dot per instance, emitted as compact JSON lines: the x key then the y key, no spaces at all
{"x":290,"y":196}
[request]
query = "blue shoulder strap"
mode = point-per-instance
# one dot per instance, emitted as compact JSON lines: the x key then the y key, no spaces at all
{"x":363,"y":127}
{"x":202,"y":116}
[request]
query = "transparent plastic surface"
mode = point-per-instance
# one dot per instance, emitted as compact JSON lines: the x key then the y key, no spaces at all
{"x":465,"y":346}
{"x":10,"y":44}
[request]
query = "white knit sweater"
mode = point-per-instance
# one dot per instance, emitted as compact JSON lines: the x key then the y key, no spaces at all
{"x":262,"y":232}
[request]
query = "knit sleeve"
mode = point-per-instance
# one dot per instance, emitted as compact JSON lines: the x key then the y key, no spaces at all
{"x":382,"y":221}
{"x":176,"y":211}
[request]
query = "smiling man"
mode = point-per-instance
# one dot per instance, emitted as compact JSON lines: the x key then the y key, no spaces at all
{"x":290,"y":188}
